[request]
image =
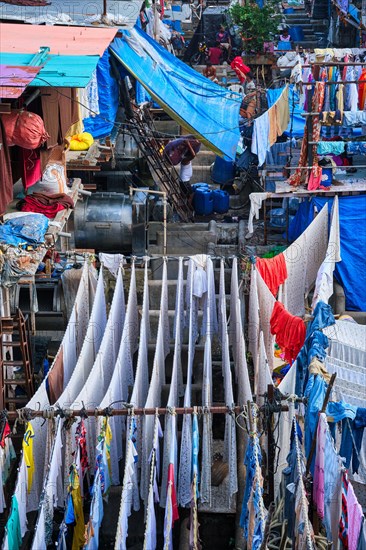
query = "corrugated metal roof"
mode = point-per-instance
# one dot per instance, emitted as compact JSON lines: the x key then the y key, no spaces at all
{"x":67,"y":12}
{"x":77,"y":41}
{"x":62,"y":71}
{"x":14,"y":79}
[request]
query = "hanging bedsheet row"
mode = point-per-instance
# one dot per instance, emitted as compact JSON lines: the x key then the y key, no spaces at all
{"x":80,"y":458}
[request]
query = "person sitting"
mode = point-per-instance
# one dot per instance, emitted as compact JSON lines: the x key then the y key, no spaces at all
{"x":210,"y":72}
{"x":223,"y":38}
{"x":249,"y":85}
{"x":285,"y":36}
{"x":215,"y":54}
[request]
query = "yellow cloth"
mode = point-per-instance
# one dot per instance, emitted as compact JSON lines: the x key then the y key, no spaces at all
{"x":28,"y":454}
{"x":272,"y":115}
{"x":107,"y":443}
{"x":81,"y":142}
{"x":317,"y":367}
{"x":78,"y":539}
{"x":282,"y":112}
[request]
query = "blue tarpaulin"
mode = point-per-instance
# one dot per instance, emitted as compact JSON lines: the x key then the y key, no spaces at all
{"x":102,"y":125}
{"x":298,"y":123}
{"x":205,"y":109}
{"x":351,"y":271}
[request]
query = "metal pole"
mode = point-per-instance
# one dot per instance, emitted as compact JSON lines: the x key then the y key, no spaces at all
{"x":127,"y":411}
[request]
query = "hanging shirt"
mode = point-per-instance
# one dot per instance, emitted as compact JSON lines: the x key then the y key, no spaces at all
{"x":273,"y":271}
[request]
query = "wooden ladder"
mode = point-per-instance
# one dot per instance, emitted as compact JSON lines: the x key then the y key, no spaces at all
{"x":10,"y":327}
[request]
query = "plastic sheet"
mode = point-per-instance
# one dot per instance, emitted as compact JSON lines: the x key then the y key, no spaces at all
{"x":24,"y":230}
{"x":208,"y":111}
{"x":351,"y":271}
{"x":103,"y":124}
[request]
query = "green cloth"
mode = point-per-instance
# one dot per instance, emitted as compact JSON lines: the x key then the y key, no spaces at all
{"x":274,"y":251}
{"x":13,"y":526}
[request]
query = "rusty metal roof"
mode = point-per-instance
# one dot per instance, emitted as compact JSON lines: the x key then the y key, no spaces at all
{"x":14,"y":79}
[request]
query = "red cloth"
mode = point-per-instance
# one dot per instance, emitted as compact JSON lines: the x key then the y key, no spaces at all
{"x":214,"y":55}
{"x":6,"y":433}
{"x":48,"y":205}
{"x":273,"y":271}
{"x":173,"y":494}
{"x":241,"y":70}
{"x":290,"y":331}
{"x":31,"y":167}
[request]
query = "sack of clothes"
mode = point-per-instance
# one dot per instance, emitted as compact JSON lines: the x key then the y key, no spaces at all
{"x":24,"y":129}
{"x":81,"y":142}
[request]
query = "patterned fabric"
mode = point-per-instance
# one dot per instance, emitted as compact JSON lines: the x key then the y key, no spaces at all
{"x":300,"y":175}
{"x":343,"y":523}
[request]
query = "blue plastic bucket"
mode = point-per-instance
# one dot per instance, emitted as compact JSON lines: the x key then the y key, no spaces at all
{"x":223,"y":171}
{"x":327,"y":177}
{"x":289,"y":10}
{"x":297,"y":33}
{"x":221,"y":201}
{"x":203,"y":202}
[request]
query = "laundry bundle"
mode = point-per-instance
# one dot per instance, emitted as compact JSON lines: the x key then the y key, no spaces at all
{"x":48,"y":205}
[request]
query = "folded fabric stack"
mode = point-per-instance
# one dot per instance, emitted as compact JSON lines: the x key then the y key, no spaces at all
{"x":48,"y":205}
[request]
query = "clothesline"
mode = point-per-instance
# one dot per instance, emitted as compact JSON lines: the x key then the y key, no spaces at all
{"x":24,"y":414}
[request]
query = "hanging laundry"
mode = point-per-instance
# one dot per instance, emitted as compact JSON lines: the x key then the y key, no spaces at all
{"x":170,"y":438}
{"x":266,"y":302}
{"x":157,"y":380}
{"x":194,"y":539}
{"x":262,"y":376}
{"x":260,"y":140}
{"x":74,"y":510}
{"x":362,"y":90}
{"x":113,"y":262}
{"x":27,"y":448}
{"x":355,"y":517}
{"x":253,"y":515}
{"x":289,"y":331}
{"x":13,"y":537}
{"x":90,"y":348}
{"x":105,"y":366}
{"x":230,"y":455}
{"x":206,"y":463}
{"x":171,"y":507}
{"x":324,"y":279}
{"x":153,"y":497}
{"x":352,"y":435}
{"x":185,"y":464}
{"x":273,"y":271}
{"x":331,"y":147}
{"x":96,"y":514}
{"x":127,"y":489}
{"x":356,"y":148}
{"x":256,"y":200}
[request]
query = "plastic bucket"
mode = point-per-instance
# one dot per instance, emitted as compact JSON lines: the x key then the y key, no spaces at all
{"x":297,"y":33}
{"x":327,"y":177}
{"x":223,"y":171}
{"x":289,"y":10}
{"x":203,"y":202}
{"x":221,"y":201}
